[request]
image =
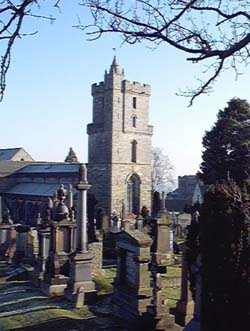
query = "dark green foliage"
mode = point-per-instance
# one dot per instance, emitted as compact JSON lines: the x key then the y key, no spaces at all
{"x":225,"y":252}
{"x":227,"y":145}
{"x":193,"y":250}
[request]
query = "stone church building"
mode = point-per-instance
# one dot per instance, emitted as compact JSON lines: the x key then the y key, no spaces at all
{"x":119,"y":158}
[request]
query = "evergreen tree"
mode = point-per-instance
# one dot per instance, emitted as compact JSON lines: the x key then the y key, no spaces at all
{"x":227,"y":145}
{"x":225,"y":251}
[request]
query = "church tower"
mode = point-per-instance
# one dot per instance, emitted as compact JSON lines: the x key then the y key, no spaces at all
{"x":119,"y":151}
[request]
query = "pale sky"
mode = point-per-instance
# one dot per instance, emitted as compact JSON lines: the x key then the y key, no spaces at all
{"x":48,"y":100}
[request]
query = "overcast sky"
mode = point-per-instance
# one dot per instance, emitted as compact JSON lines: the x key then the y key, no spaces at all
{"x":48,"y":100}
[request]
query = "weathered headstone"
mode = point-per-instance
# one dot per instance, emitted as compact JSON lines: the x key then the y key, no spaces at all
{"x":132,"y":291}
{"x":96,"y":250}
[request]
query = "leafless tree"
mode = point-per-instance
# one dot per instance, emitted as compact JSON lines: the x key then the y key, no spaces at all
{"x":12,"y":17}
{"x":213,"y":32}
{"x":162,"y":171}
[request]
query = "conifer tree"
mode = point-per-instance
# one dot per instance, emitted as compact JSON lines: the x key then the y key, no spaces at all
{"x":227,"y":145}
{"x":224,"y":242}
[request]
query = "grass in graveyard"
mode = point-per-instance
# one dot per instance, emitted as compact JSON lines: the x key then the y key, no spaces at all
{"x":52,"y":316}
{"x":67,"y":319}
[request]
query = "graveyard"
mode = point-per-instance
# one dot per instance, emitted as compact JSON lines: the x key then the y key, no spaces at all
{"x":93,"y":247}
{"x":80,"y":250}
{"x":39,"y":290}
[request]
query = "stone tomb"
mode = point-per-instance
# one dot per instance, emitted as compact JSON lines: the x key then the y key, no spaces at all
{"x":132,"y":291}
{"x":62,"y":230}
{"x":43,"y":234}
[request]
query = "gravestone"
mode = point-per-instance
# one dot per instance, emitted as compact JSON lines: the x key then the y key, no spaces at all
{"x":185,"y":306}
{"x":61,"y":246}
{"x":43,"y":235}
{"x":132,"y":291}
{"x":31,"y":248}
{"x":21,"y":243}
{"x":96,"y":250}
{"x":194,"y":323}
{"x":5,"y":231}
{"x":159,"y":310}
{"x":162,"y":240}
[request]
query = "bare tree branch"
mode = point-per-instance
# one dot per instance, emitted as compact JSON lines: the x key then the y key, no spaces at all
{"x":12,"y":17}
{"x":210,"y":31}
{"x":207,"y":29}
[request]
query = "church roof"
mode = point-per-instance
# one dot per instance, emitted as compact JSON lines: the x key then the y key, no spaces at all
{"x":47,"y":167}
{"x":15,"y":154}
{"x":9,"y":167}
{"x":35,"y":189}
{"x":22,"y":167}
{"x":8,"y":153}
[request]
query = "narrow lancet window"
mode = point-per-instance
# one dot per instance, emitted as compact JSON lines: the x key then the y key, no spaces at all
{"x":134,"y":102}
{"x":134,"y":121}
{"x":133,"y":151}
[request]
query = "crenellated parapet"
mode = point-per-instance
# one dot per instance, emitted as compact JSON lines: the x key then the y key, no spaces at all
{"x":97,"y":88}
{"x":136,"y":87}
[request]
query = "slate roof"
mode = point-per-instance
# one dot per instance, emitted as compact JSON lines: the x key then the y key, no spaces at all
{"x":8,"y":153}
{"x":53,"y":167}
{"x":35,"y":189}
{"x":9,"y":167}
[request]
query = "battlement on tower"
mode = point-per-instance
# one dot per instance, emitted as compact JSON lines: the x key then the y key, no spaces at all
{"x":136,"y":87}
{"x":97,"y":88}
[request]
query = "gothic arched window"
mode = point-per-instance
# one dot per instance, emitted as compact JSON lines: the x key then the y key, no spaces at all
{"x":133,"y":151}
{"x":133,"y":194}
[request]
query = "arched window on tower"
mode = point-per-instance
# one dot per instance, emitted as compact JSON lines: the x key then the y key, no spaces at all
{"x":133,"y":151}
{"x":133,"y":194}
{"x":134,"y":121}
